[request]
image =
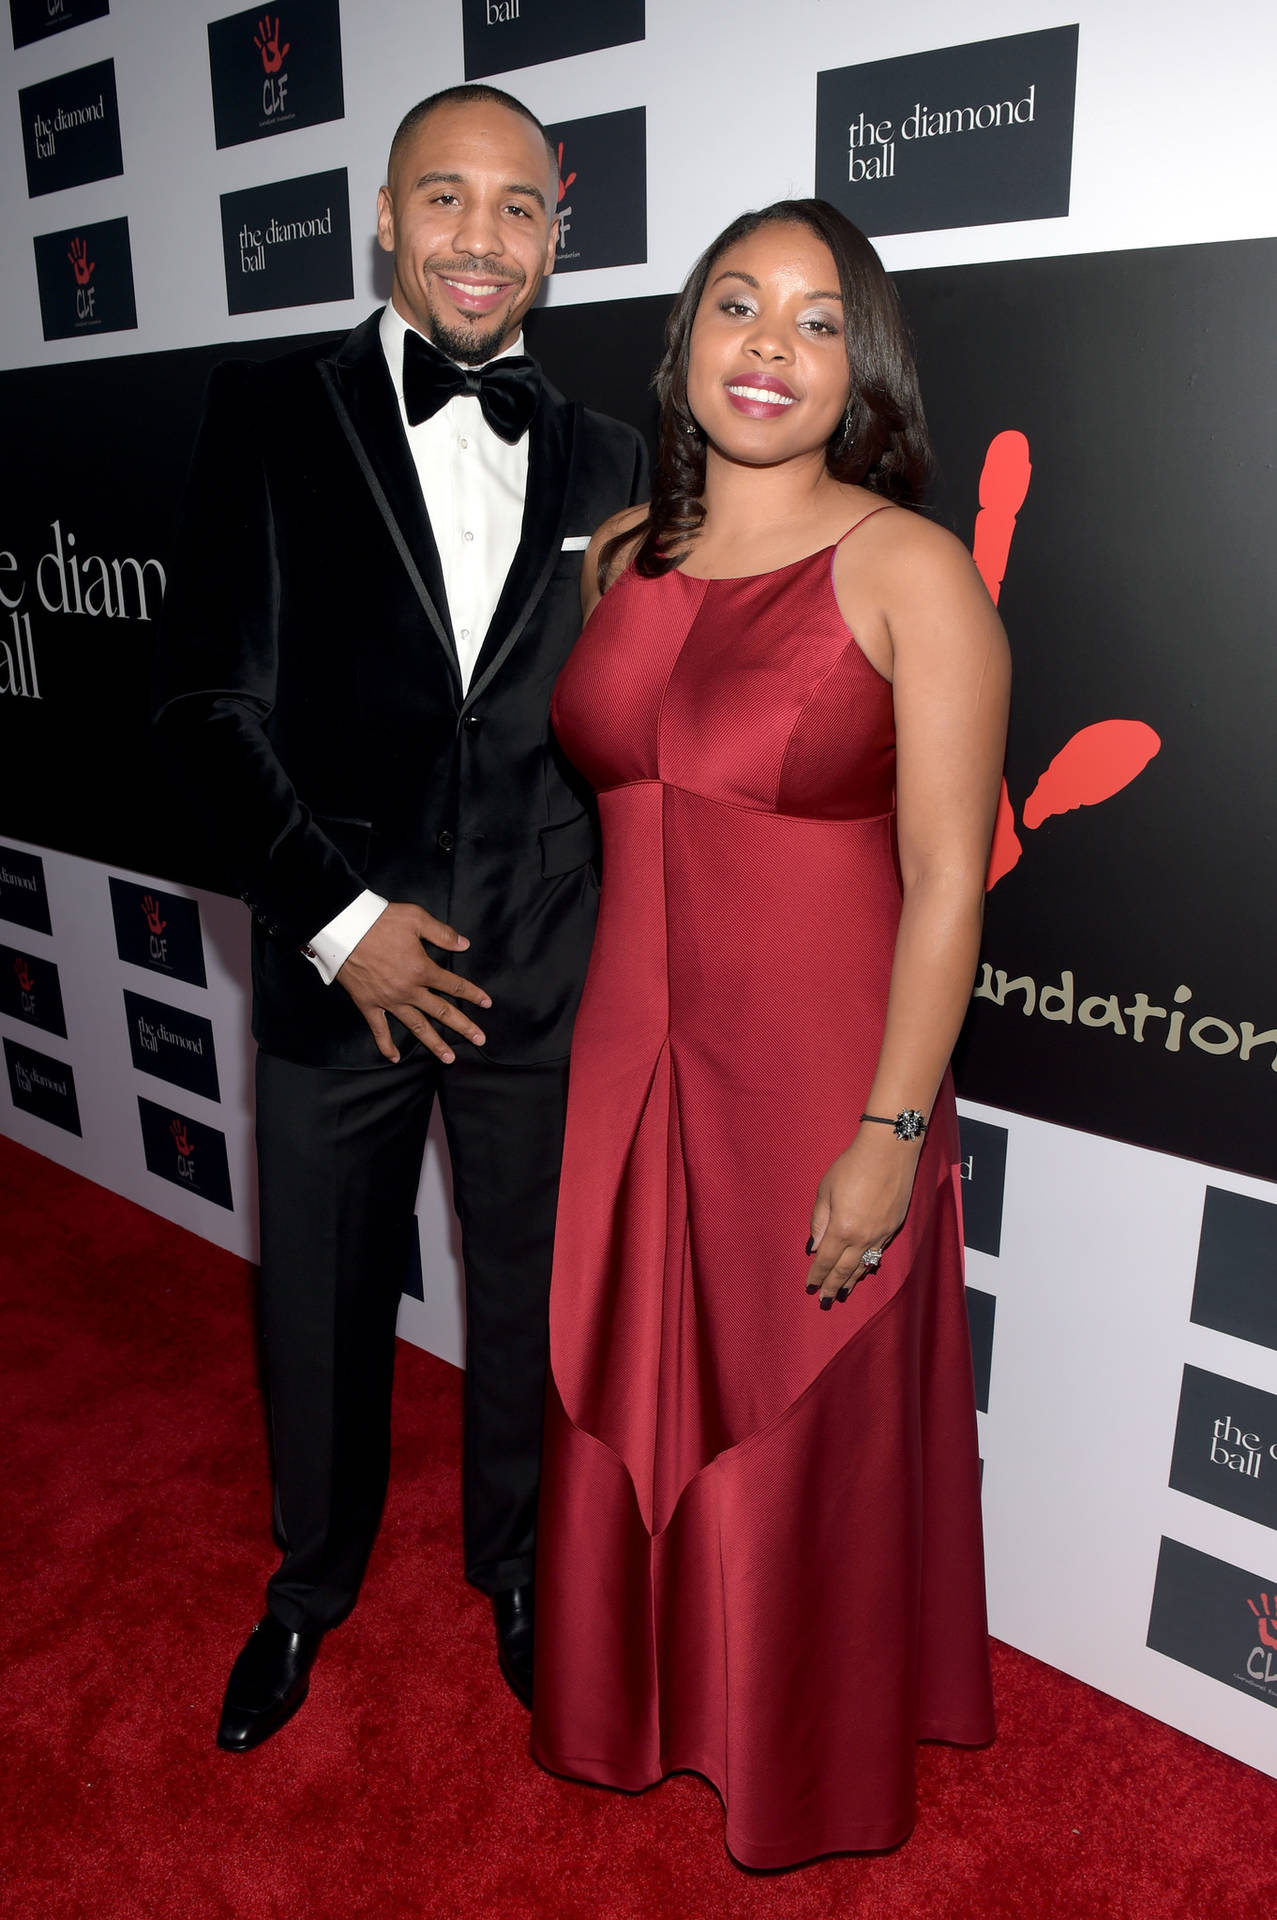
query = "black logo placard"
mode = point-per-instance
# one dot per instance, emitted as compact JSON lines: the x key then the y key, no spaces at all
{"x":984,"y":1167}
{"x":24,"y":899}
{"x":42,"y":1086}
{"x":959,"y":137}
{"x":275,"y":70}
{"x":981,"y":1308}
{"x":158,"y":930}
{"x":500,"y":35}
{"x":30,"y":990}
{"x":186,"y":1152}
{"x":1236,"y":1286}
{"x":37,"y":19}
{"x":1216,"y":1618}
{"x":85,"y":276}
{"x":1226,"y":1445}
{"x":288,"y":244}
{"x":172,"y":1044}
{"x":602,"y":190}
{"x":71,"y":129}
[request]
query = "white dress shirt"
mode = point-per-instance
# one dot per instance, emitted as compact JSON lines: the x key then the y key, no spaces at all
{"x":473,"y":483}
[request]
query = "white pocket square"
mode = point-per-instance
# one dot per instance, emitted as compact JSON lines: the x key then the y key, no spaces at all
{"x":576,"y":543}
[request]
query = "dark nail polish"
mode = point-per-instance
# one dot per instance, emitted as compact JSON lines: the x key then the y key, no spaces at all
{"x":814,"y":1287}
{"x":811,"y":1245}
{"x":826,"y":1304}
{"x":843,"y":1293}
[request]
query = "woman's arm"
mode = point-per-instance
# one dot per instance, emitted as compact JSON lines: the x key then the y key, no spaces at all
{"x":950,"y":671}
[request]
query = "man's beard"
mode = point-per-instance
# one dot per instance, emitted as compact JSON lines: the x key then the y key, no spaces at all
{"x":464,"y":345}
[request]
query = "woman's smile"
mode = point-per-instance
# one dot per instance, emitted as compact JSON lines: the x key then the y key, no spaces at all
{"x":760,"y":395}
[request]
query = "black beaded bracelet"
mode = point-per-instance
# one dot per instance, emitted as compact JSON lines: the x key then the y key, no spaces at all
{"x":908,"y":1125}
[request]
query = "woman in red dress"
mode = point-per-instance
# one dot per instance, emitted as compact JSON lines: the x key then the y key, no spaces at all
{"x":759,"y":1540}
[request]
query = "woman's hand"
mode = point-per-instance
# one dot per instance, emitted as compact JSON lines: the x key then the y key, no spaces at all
{"x":861,"y":1203}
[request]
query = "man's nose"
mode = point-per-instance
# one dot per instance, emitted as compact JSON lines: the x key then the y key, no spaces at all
{"x":477,"y":230}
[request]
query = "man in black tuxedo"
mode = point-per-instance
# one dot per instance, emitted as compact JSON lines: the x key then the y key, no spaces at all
{"x":376,"y":586}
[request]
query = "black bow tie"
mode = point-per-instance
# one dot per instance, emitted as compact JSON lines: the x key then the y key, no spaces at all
{"x":507,"y":390}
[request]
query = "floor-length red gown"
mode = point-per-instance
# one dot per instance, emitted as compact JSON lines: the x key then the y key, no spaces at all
{"x":759,"y":1544}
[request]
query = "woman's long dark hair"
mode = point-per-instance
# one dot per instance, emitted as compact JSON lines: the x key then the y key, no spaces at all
{"x":884,"y":448}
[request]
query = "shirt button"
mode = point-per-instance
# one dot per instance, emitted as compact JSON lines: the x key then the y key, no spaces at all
{"x":463,"y":442}
{"x":468,"y":536}
{"x":445,"y":842}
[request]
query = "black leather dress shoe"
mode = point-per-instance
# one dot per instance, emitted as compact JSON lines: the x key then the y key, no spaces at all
{"x":268,"y":1683}
{"x":513,"y":1614}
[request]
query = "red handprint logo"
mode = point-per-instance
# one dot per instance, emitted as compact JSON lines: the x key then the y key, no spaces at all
{"x":563,"y":184}
{"x":1099,"y":760}
{"x":266,"y":40}
{"x":1266,"y":1614}
{"x":151,"y":908}
{"x":82,"y":266}
{"x":181,"y":1140}
{"x":26,"y":979}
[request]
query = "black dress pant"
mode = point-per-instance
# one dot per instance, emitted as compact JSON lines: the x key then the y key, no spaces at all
{"x":339,"y":1158}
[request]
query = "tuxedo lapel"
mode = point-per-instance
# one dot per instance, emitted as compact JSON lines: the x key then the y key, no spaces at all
{"x":358,"y":384}
{"x":545,"y":514}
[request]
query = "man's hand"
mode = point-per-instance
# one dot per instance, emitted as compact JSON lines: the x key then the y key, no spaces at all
{"x":390,"y":972}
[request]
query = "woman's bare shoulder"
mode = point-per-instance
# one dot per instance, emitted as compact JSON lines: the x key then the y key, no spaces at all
{"x":629,"y":520}
{"x":906,"y":549}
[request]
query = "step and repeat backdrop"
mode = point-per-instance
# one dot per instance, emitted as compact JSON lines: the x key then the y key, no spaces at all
{"x":1083,"y":240}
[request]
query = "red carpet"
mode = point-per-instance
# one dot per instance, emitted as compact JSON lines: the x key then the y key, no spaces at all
{"x":135,"y":1554}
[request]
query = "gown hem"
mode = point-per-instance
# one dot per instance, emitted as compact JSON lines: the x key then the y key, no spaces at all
{"x":863,"y":1837}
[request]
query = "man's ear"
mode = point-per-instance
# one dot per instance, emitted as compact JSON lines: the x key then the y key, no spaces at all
{"x":552,"y":245}
{"x":385,"y":221}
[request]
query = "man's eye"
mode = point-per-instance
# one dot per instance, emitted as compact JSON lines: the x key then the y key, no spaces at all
{"x":521,"y":211}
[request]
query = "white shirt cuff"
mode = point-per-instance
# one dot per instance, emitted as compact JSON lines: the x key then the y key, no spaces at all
{"x":332,"y":946}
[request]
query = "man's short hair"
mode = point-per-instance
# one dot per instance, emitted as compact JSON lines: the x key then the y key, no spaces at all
{"x":472,"y":93}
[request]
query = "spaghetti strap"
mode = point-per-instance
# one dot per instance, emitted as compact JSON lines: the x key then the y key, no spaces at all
{"x":872,"y":514}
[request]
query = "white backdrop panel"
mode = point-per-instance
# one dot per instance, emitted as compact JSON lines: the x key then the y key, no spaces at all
{"x":1094,"y":1286}
{"x":110,"y":1151}
{"x":1173,"y":143}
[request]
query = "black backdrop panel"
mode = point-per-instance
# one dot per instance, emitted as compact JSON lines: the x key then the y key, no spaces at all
{"x":1139,"y":587}
{"x":106,"y":446}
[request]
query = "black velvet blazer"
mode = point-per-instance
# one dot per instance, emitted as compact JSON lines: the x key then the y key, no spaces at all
{"x":310,"y":697}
